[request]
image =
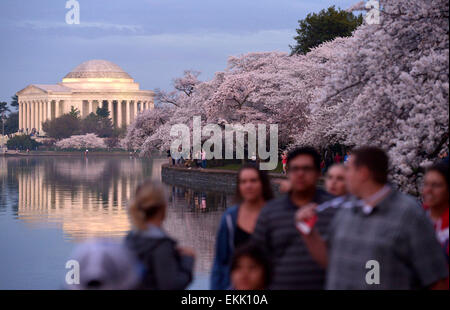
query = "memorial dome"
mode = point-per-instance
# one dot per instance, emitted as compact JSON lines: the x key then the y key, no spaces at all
{"x":98,"y":69}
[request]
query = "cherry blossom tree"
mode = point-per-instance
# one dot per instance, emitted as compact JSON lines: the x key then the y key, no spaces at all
{"x":183,"y":88}
{"x":265,"y":87}
{"x":389,"y":87}
{"x":144,"y":127}
{"x":187,"y":82}
{"x":89,"y":140}
{"x":386,"y":85}
{"x":273,"y":87}
{"x":192,"y":106}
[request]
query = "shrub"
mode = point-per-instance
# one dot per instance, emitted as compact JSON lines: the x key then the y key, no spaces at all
{"x":22,"y":142}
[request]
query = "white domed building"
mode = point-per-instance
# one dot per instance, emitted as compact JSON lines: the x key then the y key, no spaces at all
{"x":92,"y":84}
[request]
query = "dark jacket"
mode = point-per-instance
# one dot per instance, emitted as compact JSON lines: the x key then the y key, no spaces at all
{"x":220,"y":275}
{"x":164,"y":267}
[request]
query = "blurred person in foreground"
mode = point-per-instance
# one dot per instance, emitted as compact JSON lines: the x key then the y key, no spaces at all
{"x":238,"y":222}
{"x":105,"y":265}
{"x":275,"y":231}
{"x":381,"y":227}
{"x":334,"y":181}
{"x":166,"y":266}
{"x":250,"y":268}
{"x":435,"y":194}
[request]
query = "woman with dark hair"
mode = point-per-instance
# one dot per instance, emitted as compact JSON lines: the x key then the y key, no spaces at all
{"x":435,"y":194}
{"x":253,"y":190}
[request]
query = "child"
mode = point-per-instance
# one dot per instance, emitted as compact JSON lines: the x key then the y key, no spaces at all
{"x":167,"y":267}
{"x":250,"y":268}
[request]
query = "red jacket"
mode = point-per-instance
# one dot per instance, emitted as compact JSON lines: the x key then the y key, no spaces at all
{"x":441,"y":228}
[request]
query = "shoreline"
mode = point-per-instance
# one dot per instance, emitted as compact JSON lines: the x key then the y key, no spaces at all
{"x":60,"y":153}
{"x":219,"y":171}
{"x":208,"y":179}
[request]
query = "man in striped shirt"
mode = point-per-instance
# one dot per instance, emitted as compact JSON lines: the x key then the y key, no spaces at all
{"x":275,"y":231}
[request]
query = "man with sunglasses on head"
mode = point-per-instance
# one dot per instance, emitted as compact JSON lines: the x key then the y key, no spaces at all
{"x":293,"y":267}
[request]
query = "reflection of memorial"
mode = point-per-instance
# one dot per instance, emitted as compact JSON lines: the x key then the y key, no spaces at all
{"x":87,"y":197}
{"x":80,"y":171}
{"x":3,"y":168}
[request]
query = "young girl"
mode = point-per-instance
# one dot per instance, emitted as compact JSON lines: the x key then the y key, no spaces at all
{"x":166,"y":267}
{"x":250,"y":268}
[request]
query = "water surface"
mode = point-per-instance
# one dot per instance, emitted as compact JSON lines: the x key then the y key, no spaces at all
{"x":48,"y":204}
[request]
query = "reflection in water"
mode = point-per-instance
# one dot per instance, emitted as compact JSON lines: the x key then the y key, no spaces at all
{"x":87,"y":197}
{"x":193,"y":220}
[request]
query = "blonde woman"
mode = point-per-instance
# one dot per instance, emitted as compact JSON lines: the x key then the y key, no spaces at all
{"x":166,"y":266}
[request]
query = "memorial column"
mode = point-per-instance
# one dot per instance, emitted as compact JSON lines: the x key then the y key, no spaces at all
{"x":127,"y":112}
{"x":20,"y":115}
{"x":119,"y":113}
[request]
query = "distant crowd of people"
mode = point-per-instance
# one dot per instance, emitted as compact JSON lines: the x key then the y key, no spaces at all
{"x":198,"y":160}
{"x":359,"y":232}
{"x":189,"y":161}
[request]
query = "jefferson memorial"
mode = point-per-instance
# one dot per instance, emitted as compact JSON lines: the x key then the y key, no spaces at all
{"x":92,"y":84}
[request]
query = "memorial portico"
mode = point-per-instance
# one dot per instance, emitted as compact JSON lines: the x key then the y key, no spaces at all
{"x":93,"y":84}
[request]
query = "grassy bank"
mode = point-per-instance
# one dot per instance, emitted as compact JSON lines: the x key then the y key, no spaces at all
{"x":278,"y":169}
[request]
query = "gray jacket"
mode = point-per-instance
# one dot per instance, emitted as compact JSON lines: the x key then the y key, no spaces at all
{"x":164,"y":267}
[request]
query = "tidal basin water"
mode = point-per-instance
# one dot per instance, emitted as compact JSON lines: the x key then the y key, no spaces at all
{"x":48,"y":204}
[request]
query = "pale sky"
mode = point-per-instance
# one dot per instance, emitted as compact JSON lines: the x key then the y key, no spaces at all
{"x":153,"y":40}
